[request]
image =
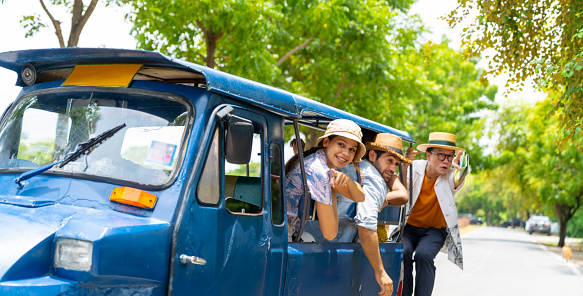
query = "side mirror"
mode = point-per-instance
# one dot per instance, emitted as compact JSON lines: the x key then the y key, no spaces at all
{"x":239,"y":140}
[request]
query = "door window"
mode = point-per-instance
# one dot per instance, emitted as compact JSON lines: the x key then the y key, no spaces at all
{"x":209,"y":190}
{"x":242,"y":183}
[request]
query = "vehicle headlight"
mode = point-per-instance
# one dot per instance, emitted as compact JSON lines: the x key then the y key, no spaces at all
{"x":73,"y":254}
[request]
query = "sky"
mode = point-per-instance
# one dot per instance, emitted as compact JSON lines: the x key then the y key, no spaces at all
{"x":107,"y":28}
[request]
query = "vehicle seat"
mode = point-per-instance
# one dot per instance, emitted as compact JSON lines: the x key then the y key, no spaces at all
{"x":243,"y":194}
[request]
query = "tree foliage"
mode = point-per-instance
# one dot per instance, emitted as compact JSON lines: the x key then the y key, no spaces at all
{"x":539,"y":39}
{"x":360,"y":56}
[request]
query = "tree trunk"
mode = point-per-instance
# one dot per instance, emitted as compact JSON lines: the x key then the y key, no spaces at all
{"x":78,"y":20}
{"x":562,"y":233}
{"x":564,"y":213}
{"x":56,"y":24}
{"x":211,"y":38}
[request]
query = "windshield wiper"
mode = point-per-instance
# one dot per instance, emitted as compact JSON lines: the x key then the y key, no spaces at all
{"x":80,"y":149}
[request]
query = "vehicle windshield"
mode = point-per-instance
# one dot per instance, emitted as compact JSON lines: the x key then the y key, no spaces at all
{"x":43,"y":127}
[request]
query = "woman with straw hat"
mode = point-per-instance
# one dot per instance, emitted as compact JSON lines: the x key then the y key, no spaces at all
{"x":432,"y":214}
{"x":340,"y":145}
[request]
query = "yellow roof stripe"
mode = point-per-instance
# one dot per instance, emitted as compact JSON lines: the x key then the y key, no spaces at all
{"x":103,"y":75}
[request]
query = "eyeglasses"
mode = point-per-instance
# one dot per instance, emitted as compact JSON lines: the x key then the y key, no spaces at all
{"x":442,"y":156}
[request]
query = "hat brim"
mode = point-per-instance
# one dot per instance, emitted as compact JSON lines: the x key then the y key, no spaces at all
{"x":361,"y":148}
{"x":423,"y":147}
{"x":372,"y":146}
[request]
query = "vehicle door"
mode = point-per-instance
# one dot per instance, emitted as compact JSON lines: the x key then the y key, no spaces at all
{"x":227,"y":221}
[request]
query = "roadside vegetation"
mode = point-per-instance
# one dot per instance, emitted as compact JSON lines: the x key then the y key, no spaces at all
{"x":537,"y":163}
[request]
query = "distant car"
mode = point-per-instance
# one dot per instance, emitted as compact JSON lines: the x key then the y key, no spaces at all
{"x":506,"y":223}
{"x":476,"y":221}
{"x":515,"y":222}
{"x":537,"y":223}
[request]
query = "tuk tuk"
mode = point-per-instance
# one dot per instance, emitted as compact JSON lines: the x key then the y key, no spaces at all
{"x":127,"y":172}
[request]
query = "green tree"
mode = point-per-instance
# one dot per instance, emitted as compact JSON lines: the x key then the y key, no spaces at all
{"x":359,"y":56}
{"x":539,"y":39}
{"x":490,"y":191}
{"x":575,"y":227}
{"x":233,"y":36}
{"x":511,"y":157}
{"x":554,"y":173}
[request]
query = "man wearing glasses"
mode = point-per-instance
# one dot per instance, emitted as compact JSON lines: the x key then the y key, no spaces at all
{"x":432,"y":214}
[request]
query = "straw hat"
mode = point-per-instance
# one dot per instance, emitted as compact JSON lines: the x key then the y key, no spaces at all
{"x":346,"y":128}
{"x":440,"y":140}
{"x":389,"y":143}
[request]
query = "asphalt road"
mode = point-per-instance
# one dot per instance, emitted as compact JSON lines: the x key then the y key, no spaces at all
{"x":500,"y":261}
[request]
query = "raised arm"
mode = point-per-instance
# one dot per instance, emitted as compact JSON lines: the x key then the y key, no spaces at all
{"x":328,"y":218}
{"x":456,"y":165}
{"x":410,"y":154}
{"x":370,"y":245}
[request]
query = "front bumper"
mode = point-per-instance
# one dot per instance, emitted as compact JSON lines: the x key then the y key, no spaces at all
{"x":48,"y":286}
{"x":39,"y":286}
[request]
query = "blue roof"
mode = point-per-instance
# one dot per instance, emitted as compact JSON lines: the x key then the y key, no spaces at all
{"x":264,"y":96}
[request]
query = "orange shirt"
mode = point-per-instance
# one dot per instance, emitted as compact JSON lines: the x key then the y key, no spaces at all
{"x":426,"y":211}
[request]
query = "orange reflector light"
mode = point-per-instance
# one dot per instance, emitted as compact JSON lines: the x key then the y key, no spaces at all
{"x":133,"y":197}
{"x":103,"y":75}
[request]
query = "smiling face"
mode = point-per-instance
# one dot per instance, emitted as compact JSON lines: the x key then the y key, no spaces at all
{"x":340,"y":151}
{"x":435,"y":166}
{"x":386,"y":164}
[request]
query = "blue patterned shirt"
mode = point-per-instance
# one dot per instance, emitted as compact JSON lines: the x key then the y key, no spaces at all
{"x":319,"y":178}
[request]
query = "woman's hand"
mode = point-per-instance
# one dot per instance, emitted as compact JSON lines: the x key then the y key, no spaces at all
{"x":344,"y":185}
{"x":340,"y":179}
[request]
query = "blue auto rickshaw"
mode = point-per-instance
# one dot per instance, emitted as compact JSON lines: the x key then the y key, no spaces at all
{"x":126,"y":172}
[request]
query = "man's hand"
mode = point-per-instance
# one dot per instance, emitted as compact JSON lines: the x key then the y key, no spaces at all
{"x":386,"y":203}
{"x":385,"y":282}
{"x":370,"y":245}
{"x":410,"y":154}
{"x":456,"y":160}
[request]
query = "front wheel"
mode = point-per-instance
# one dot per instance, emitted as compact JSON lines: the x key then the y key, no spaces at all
{"x":530,"y":232}
{"x":549,"y":233}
